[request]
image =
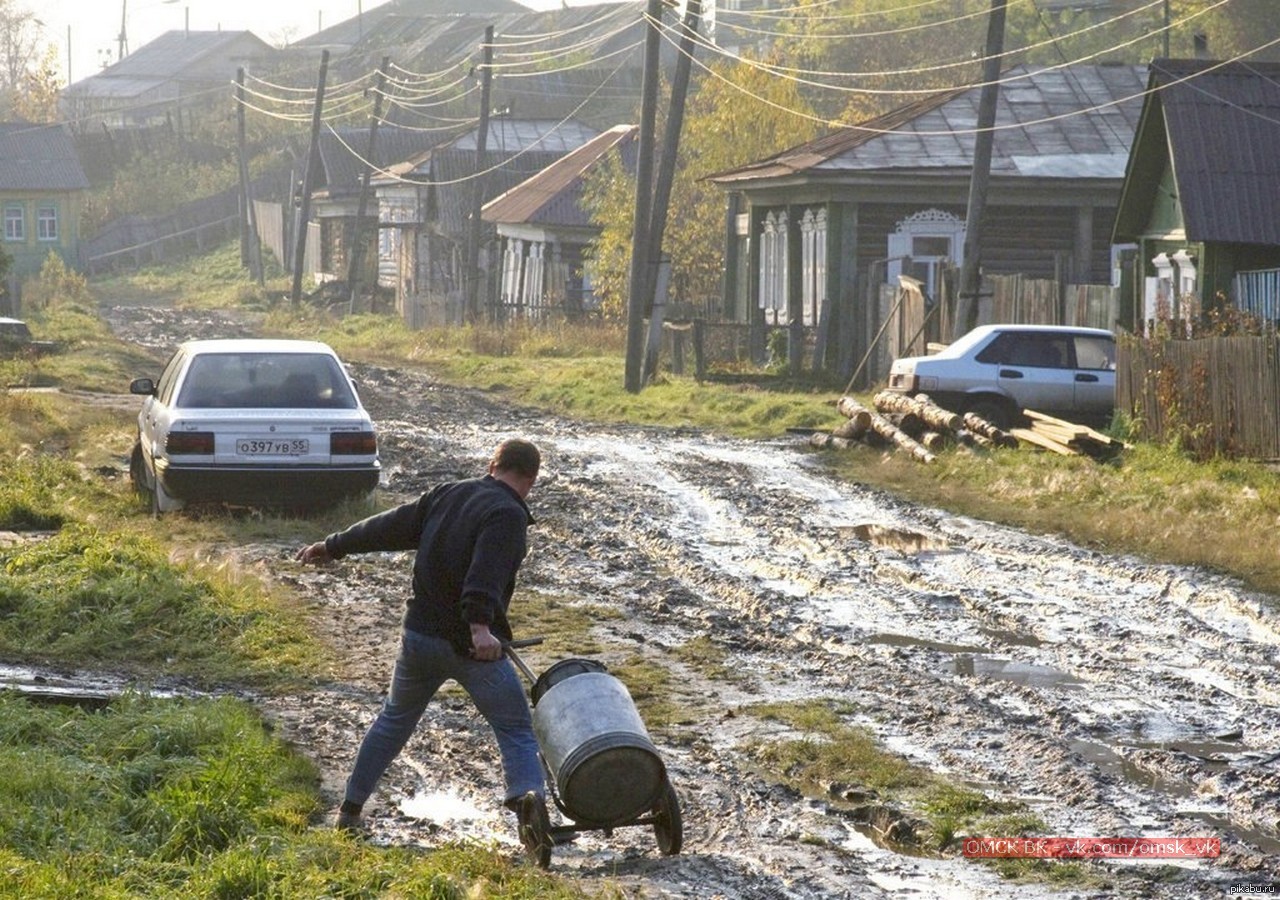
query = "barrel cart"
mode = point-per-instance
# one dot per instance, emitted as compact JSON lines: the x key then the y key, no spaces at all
{"x":602,"y":770}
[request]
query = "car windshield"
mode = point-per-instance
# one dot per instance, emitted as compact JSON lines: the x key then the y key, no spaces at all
{"x":266,"y":381}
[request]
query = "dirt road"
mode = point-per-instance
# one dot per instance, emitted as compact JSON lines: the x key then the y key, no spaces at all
{"x":1111,"y":696}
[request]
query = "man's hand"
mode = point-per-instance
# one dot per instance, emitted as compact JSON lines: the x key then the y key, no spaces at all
{"x":314,"y":553}
{"x":484,"y":645}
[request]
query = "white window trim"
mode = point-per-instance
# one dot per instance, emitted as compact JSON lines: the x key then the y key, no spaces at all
{"x":42,"y":222}
{"x":20,"y":219}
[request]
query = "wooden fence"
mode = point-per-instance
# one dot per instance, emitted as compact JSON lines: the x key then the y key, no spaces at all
{"x":1217,"y":395}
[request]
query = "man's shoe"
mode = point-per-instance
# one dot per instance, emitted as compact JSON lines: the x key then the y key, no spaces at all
{"x":348,"y":819}
{"x":534,"y":829}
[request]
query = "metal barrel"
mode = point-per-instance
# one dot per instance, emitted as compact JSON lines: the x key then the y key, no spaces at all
{"x":606,"y":770}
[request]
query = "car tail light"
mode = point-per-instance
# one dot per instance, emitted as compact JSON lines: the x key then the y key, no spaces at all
{"x":179,"y":442}
{"x":903,"y":382}
{"x":353,"y":443}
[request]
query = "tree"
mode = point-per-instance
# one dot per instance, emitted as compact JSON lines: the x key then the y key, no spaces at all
{"x":19,"y":49}
{"x":38,"y":101}
{"x":738,"y":113}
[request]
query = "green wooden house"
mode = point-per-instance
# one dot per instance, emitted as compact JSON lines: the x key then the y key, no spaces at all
{"x":1200,"y":205}
{"x":41,"y":191}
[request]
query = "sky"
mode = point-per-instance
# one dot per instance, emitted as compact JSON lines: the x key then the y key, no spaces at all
{"x":93,"y":26}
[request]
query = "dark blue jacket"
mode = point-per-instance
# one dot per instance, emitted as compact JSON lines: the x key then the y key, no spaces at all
{"x":471,"y":539}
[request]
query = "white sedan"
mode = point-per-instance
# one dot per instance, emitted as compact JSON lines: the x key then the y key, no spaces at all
{"x":255,"y":422}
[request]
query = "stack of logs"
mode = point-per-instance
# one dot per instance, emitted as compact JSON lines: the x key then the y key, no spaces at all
{"x":914,"y":424}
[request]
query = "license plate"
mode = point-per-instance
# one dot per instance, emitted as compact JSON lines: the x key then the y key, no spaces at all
{"x":273,"y":446}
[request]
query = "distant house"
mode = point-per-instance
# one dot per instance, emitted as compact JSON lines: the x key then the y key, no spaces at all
{"x":426,"y":205}
{"x":1201,"y":198}
{"x":815,"y":231}
{"x":336,"y":201}
{"x":545,"y":231}
{"x":41,"y":190}
{"x":178,"y":66}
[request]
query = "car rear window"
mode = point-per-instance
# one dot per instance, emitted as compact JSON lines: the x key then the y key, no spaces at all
{"x":266,"y":381}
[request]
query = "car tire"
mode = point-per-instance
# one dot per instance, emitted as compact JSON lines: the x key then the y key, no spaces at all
{"x":997,"y":412}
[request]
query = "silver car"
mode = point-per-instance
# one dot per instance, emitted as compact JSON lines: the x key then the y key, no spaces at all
{"x":997,"y":371}
{"x":253,"y":422}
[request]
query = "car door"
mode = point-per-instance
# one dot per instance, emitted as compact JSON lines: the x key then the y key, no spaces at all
{"x":1095,"y":375}
{"x":1036,"y":371}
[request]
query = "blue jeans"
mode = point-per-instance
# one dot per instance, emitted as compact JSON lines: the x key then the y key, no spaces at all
{"x":424,"y":664}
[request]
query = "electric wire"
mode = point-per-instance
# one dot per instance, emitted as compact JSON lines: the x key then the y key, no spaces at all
{"x":789,"y":73}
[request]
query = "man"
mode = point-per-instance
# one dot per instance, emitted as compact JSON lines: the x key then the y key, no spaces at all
{"x":470,"y":538}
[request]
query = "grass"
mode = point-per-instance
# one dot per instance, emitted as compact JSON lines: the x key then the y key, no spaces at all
{"x":194,"y":799}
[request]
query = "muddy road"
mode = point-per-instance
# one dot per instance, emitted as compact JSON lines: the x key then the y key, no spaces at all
{"x":1111,"y":696}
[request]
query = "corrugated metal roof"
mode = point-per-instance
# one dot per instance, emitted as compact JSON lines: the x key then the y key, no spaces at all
{"x":351,"y":31}
{"x":508,"y":135}
{"x":39,"y":157}
{"x":553,"y":195}
{"x":1067,"y":122}
{"x":454,"y":194}
{"x":166,"y":58}
{"x":342,"y":154}
{"x":1223,"y":125}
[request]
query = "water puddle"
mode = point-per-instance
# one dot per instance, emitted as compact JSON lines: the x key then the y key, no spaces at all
{"x":1117,"y":766}
{"x":1016,"y":671}
{"x":906,"y":640}
{"x":899,"y":539}
{"x":440,"y":806}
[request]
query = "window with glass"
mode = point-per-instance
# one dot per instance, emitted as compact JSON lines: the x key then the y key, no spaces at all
{"x":47,"y":223}
{"x":15,"y":222}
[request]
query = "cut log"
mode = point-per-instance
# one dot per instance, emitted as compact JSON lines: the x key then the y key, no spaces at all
{"x":883,"y":427}
{"x":852,"y":429}
{"x":921,"y":406}
{"x":979,"y":425}
{"x":855,"y":412}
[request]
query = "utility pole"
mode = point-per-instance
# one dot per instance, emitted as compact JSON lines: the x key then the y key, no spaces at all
{"x":123,"y":37}
{"x":662,"y":188}
{"x":360,"y":239}
{"x":1166,"y":29}
{"x":250,"y":248}
{"x":313,"y":163}
{"x":640,"y":262}
{"x":970,"y":269}
{"x":477,"y":197}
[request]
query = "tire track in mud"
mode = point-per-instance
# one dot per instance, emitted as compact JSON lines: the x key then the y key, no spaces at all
{"x":1101,"y":691}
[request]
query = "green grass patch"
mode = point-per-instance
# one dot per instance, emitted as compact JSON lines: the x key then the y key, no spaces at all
{"x":89,"y":597}
{"x":195,"y":799}
{"x":824,"y":749}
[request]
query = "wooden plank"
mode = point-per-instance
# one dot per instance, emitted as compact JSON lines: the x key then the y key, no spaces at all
{"x":1031,"y":437}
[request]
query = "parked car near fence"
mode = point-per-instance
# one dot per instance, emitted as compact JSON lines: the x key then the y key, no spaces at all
{"x":253,"y":422}
{"x":997,"y":371}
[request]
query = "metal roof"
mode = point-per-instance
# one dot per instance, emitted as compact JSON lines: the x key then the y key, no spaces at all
{"x":342,"y":153}
{"x":40,"y":158}
{"x":168,"y":57}
{"x":1222,"y":122}
{"x":1067,"y":122}
{"x":553,"y":195}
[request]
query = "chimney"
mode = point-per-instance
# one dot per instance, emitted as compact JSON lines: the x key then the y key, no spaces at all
{"x":1201,"y":43}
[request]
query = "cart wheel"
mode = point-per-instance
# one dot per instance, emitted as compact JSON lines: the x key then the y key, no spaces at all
{"x":668,"y":826}
{"x":535,"y":832}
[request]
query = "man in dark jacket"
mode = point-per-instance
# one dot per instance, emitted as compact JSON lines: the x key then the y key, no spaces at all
{"x":470,"y":538}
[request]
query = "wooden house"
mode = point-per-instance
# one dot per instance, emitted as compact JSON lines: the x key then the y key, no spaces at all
{"x":1201,"y":197}
{"x":177,"y":67}
{"x":544,"y":232}
{"x":426,"y":205}
{"x":41,"y":189}
{"x":816,"y":230}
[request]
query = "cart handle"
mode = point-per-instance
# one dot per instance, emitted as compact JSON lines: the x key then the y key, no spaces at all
{"x":509,"y":648}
